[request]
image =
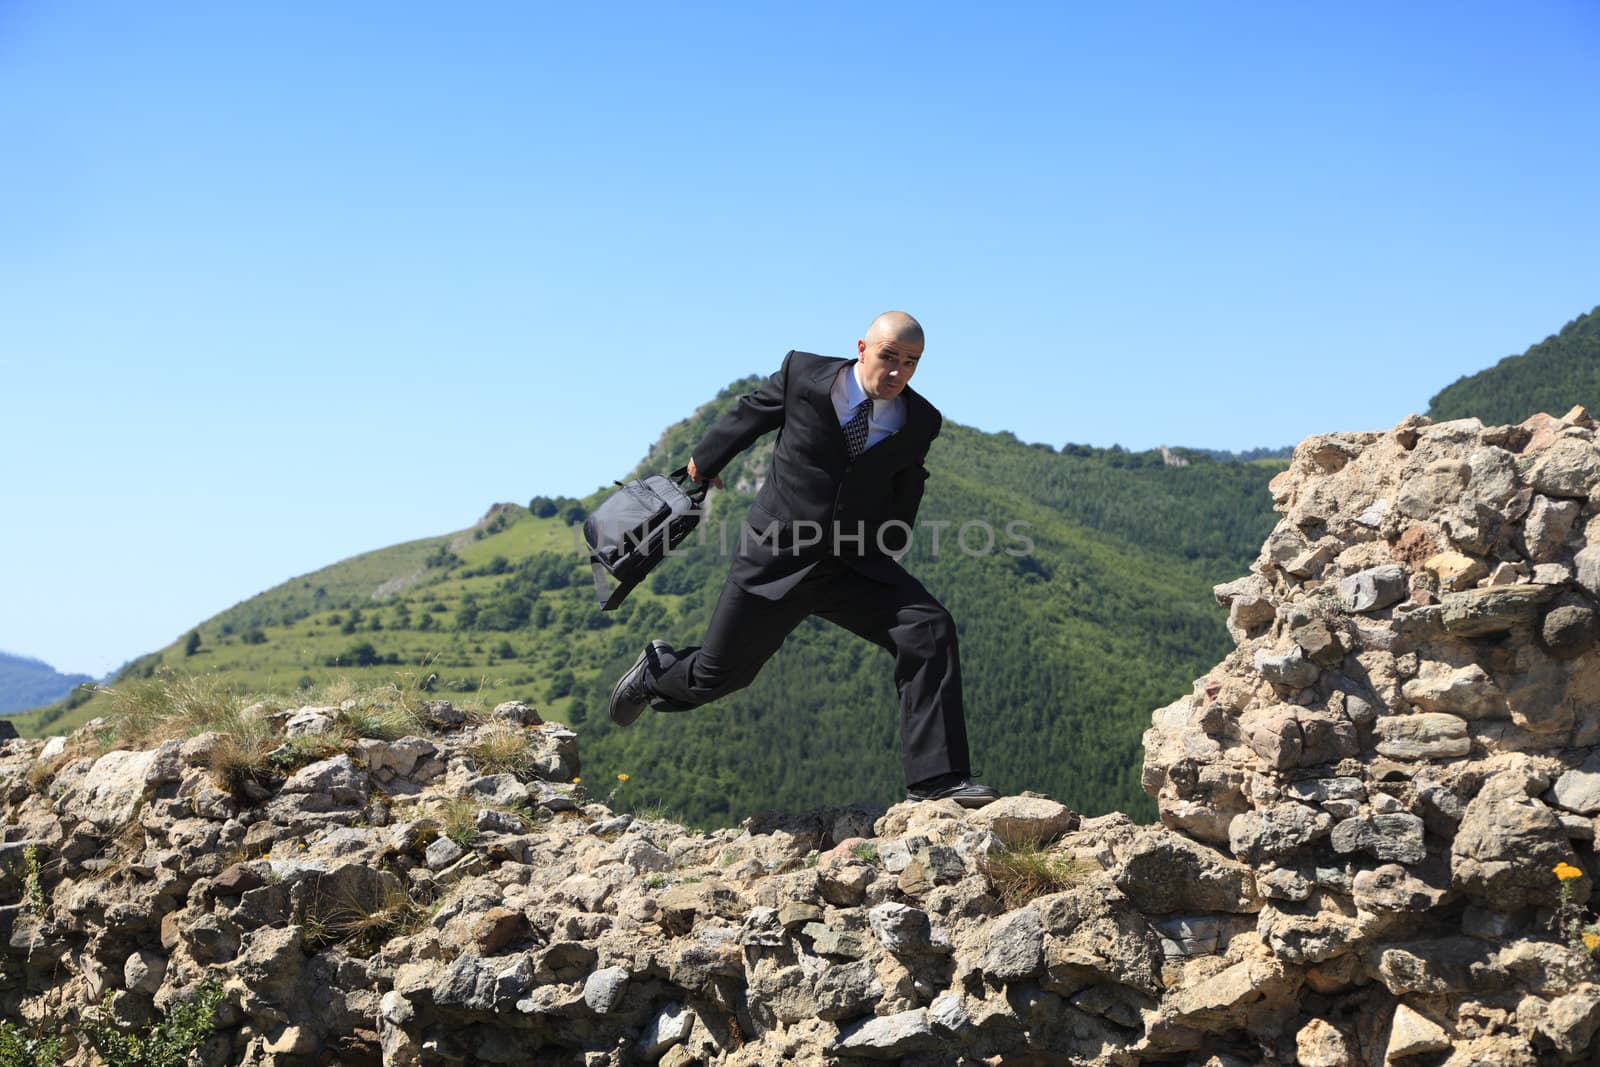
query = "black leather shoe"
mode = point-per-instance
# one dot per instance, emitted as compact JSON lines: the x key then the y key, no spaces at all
{"x":957,"y":787}
{"x":631,"y":695}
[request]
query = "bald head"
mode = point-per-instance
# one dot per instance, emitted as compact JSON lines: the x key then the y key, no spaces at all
{"x":888,"y":354}
{"x":895,"y":326}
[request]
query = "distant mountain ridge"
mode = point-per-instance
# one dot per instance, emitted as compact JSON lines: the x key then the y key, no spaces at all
{"x":1551,"y":376}
{"x":26,"y":683}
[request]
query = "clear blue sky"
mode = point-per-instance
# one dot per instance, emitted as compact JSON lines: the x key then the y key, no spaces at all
{"x":284,"y":282}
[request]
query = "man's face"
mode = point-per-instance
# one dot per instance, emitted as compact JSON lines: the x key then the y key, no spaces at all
{"x":887,"y":365}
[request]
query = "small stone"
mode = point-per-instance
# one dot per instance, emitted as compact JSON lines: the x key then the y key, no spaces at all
{"x":903,"y":930}
{"x":798,"y":913}
{"x":1276,"y":832}
{"x":1391,"y":888}
{"x":1427,"y":492}
{"x":1547,"y":527}
{"x":889,"y":1036}
{"x":1373,"y":589}
{"x":1227,"y":592}
{"x":497,"y":928}
{"x":1374,"y":513}
{"x":1426,"y":735}
{"x":1579,"y":788}
{"x":948,"y":1013}
{"x":444,"y":715}
{"x":826,"y":941}
{"x":844,"y":883}
{"x":1507,"y":574}
{"x":1321,"y":1044}
{"x":1384,"y":804}
{"x":670,"y":1026}
{"x":603,"y":990}
{"x":1412,"y":1034}
{"x":1568,"y":630}
{"x":494,"y":821}
{"x":1567,"y":469}
{"x":1015,"y":947}
{"x":442,"y":853}
{"x":1024,"y":820}
{"x":328,"y":784}
{"x":1397,"y":837}
{"x":1310,"y":563}
{"x":762,"y":929}
{"x":1319,"y":643}
{"x":144,"y":972}
{"x":518,"y":712}
{"x":1326,"y":739}
{"x":1552,"y":574}
{"x":1578,"y":827}
{"x":1277,"y":740}
{"x":1291,"y":669}
{"x":1465,"y":691}
{"x":236,"y":881}
{"x":847,"y":991}
{"x":1248,"y":613}
{"x":1194,"y":935}
{"x":292,"y":1041}
{"x":932,"y":865}
{"x":1454,"y":570}
{"x":307,"y":721}
{"x":1163,"y":872}
{"x":503,"y":790}
{"x":1477,"y":612}
{"x":1281,"y":883}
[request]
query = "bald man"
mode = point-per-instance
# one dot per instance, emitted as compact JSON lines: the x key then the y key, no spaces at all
{"x":822,"y":538}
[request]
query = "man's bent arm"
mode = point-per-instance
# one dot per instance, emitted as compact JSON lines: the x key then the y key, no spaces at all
{"x":906,"y":499}
{"x":756,"y":413}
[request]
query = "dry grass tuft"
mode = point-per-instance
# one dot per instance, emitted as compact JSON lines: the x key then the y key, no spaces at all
{"x":168,"y":706}
{"x":243,"y":754}
{"x":502,"y":748}
{"x":1024,"y":872}
{"x":383,"y":713}
{"x":362,"y":925}
{"x":458,"y":819}
{"x":383,"y":722}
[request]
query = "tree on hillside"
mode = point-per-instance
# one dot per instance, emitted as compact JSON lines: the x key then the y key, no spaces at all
{"x":192,"y":644}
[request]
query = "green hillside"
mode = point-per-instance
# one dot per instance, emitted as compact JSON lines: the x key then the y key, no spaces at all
{"x":1065,"y":650}
{"x":1551,"y":376}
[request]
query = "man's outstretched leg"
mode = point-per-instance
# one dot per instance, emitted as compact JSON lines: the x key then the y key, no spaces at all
{"x":744,"y":632}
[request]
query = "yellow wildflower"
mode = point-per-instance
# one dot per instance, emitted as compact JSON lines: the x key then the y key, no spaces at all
{"x":1567,"y":872}
{"x":1591,"y":940}
{"x":576,"y":781}
{"x":622,"y":777}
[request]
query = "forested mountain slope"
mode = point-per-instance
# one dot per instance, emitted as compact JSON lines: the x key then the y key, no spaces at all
{"x":1066,"y":648}
{"x":1558,"y":372}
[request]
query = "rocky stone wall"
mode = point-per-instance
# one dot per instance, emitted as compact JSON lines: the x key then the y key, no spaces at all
{"x":1363,"y":806}
{"x":1402,"y":744}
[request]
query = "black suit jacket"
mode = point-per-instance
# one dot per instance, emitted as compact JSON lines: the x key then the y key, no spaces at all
{"x":813,"y":488}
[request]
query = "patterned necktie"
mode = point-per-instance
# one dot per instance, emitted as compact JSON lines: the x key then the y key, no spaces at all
{"x":855,"y":431}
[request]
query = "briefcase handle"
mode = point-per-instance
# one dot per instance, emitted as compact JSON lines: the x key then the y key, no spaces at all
{"x":697,"y":490}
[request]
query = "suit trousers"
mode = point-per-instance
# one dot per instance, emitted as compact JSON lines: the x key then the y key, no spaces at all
{"x":900,"y":616}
